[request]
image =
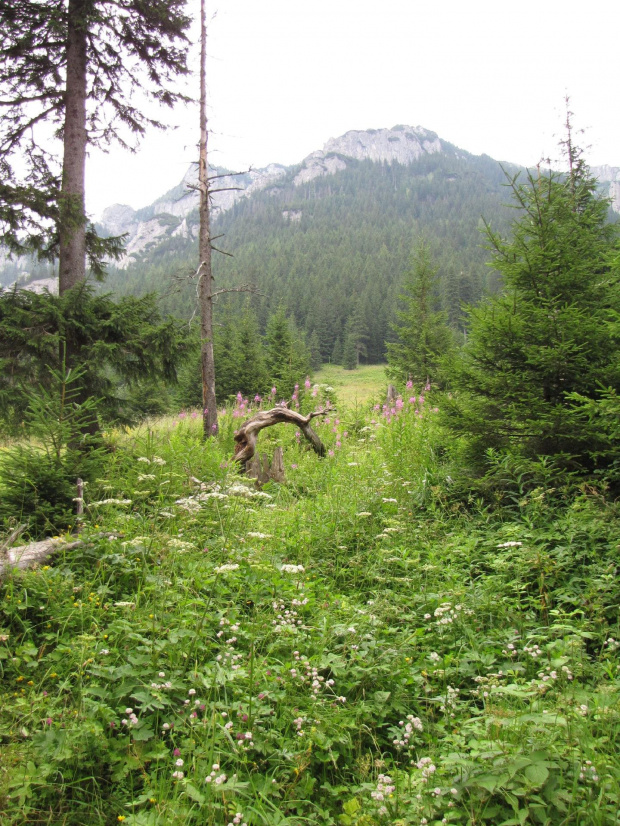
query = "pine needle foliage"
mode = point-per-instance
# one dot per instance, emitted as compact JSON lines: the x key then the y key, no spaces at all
{"x":123,"y":346}
{"x":131,"y":51}
{"x":423,"y":336}
{"x":550,"y":333}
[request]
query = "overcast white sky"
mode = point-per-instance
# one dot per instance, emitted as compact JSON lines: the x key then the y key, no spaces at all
{"x":286,"y":75}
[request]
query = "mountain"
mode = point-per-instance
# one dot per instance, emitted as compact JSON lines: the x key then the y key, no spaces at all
{"x":330,"y":238}
{"x":403,"y":145}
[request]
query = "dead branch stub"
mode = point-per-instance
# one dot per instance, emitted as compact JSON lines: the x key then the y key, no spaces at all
{"x":260,"y":468}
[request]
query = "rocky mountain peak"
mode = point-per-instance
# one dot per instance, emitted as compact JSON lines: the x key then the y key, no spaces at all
{"x":401,"y":144}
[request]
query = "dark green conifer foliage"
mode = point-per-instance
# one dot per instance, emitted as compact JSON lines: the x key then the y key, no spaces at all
{"x":55,"y":54}
{"x":124,"y":347}
{"x":337,"y":352}
{"x":355,"y":337}
{"x":314,"y":347}
{"x":551,"y":332}
{"x":287,"y":356}
{"x":38,"y":474}
{"x":251,"y":374}
{"x":423,"y":336}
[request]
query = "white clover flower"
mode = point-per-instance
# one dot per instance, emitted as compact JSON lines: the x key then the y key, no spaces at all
{"x":257,"y":535}
{"x":293,"y":569}
{"x":510,"y":545}
{"x":178,"y":762}
{"x":226,"y":568}
{"x":143,"y":459}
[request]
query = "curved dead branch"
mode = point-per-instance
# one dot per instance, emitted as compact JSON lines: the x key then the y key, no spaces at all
{"x":247,"y":434}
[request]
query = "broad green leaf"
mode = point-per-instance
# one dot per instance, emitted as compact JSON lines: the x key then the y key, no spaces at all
{"x":537,"y":774}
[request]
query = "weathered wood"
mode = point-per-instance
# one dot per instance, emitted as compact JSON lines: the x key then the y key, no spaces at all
{"x":6,"y":544}
{"x":24,"y":556}
{"x":391,"y":394}
{"x":247,"y":434}
{"x":276,"y":471}
{"x":260,"y":468}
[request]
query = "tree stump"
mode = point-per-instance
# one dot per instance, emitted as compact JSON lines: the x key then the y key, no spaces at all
{"x":259,"y":467}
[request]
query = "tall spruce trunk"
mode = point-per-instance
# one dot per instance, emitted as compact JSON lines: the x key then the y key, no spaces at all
{"x":205,"y":278}
{"x":72,"y":217}
{"x":72,"y":223}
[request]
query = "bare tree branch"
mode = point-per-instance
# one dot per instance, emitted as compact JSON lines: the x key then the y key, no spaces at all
{"x":244,"y":288}
{"x":247,"y":435}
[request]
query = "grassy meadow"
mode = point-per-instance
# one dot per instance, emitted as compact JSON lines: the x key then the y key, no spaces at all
{"x":355,"y":646}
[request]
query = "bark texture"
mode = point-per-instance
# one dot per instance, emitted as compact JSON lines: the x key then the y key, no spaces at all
{"x":72,"y":223}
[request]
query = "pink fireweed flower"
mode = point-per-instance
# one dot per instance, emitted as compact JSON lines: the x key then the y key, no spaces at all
{"x":307,"y":383}
{"x":273,"y":391}
{"x":409,"y":384}
{"x":412,"y":400}
{"x":257,"y":399}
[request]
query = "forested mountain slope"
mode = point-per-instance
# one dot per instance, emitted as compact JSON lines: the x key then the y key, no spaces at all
{"x":333,"y":245}
{"x":329,"y":239}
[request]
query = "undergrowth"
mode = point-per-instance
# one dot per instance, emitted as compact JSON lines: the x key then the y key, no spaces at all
{"x":355,"y":646}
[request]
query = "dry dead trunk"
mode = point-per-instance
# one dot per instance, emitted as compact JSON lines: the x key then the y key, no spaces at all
{"x":205,"y":276}
{"x":25,"y":556}
{"x":247,"y":435}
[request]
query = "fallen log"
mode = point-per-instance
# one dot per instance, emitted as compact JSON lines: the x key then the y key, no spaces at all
{"x":24,"y":556}
{"x":247,"y":435}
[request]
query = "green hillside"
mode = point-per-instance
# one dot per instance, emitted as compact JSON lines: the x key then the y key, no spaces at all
{"x":340,"y":244}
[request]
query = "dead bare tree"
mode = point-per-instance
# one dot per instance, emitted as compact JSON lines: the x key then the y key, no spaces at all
{"x":205,"y":278}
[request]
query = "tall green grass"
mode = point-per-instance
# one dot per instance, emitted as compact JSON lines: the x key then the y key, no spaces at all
{"x":350,"y":647}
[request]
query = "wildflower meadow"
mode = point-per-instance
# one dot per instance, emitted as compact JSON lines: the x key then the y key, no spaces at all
{"x":360,"y":645}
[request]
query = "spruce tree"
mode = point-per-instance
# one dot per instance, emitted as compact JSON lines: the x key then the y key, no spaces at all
{"x":550,"y":334}
{"x":69,"y":79}
{"x":287,"y":356}
{"x":422,"y":331}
